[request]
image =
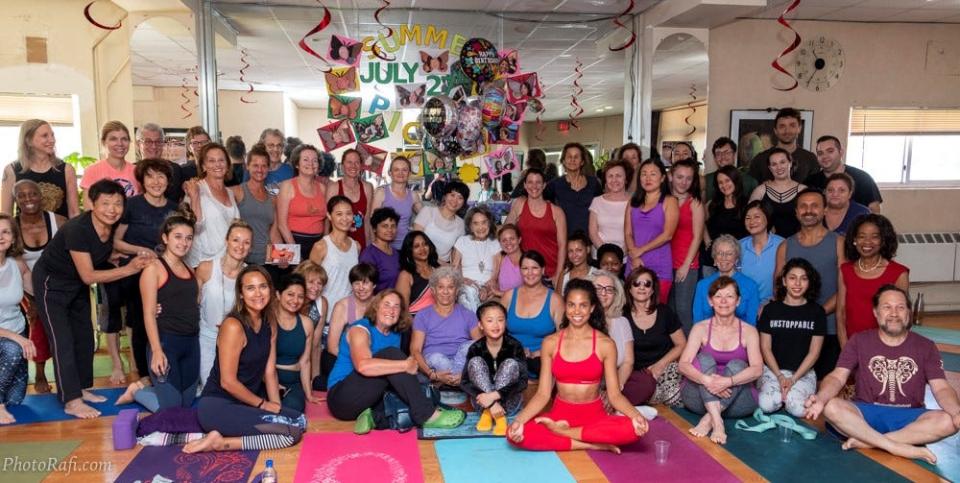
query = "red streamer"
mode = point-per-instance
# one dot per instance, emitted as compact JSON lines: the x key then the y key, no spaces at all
{"x":376,"y":49}
{"x":577,"y":90}
{"x":796,"y":43}
{"x":693,"y":129}
{"x":186,"y":99}
{"x":246,"y":65}
{"x":320,"y":26}
{"x":86,"y":13}
{"x":633,"y":35}
{"x":196,"y":81}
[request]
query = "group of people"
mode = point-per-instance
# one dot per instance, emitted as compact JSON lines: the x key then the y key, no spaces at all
{"x":647,"y":284}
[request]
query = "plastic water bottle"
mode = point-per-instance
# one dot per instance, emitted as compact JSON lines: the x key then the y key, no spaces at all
{"x":269,"y":474}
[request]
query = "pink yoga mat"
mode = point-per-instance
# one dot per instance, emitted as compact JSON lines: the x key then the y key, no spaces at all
{"x":318,"y":411}
{"x":348,"y":458}
{"x":686,"y":462}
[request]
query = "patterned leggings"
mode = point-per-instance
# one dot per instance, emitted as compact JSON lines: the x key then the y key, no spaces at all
{"x":771,"y":397}
{"x":13,"y":373}
{"x":257,"y":428}
{"x":642,"y":388}
{"x":479,"y":382}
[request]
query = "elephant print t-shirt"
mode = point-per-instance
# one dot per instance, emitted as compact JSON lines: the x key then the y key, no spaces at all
{"x":892,"y":376}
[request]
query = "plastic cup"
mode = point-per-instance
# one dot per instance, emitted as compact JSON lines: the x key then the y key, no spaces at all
{"x":662,"y":451}
{"x":786,"y":434}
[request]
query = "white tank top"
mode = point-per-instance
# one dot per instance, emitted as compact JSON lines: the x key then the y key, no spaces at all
{"x":211,"y":232}
{"x":338,"y":263}
{"x":216,"y":299}
{"x":30,"y":256}
{"x":12,"y":282}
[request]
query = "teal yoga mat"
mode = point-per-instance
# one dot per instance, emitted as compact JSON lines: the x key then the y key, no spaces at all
{"x":819,"y":460}
{"x":937,"y":334}
{"x":494,"y":460}
{"x":951,"y":361}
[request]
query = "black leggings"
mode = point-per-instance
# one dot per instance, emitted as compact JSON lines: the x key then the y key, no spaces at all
{"x":258,"y":429}
{"x":356,"y":393}
{"x":126,"y":293}
{"x":64,"y":308}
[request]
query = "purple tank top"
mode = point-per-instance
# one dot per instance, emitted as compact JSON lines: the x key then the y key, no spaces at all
{"x":648,"y":225}
{"x":724,"y":357}
{"x":509,"y":278}
{"x":404,"y":208}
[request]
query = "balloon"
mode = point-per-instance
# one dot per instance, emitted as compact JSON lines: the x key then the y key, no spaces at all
{"x":494,"y":99}
{"x":439,"y":117}
{"x":470,"y":127}
{"x":480,"y":60}
{"x":447,"y":147}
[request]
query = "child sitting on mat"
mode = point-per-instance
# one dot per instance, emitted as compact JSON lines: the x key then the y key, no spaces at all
{"x":496,"y":372}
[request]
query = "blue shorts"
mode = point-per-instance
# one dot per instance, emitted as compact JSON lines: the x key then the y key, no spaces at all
{"x":885,"y":419}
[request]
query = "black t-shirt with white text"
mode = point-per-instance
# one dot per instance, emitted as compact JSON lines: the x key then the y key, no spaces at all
{"x":791,"y":328}
{"x":78,"y":235}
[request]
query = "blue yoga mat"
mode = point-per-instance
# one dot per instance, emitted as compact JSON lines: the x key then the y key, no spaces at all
{"x":40,"y":408}
{"x":937,"y":334}
{"x":494,"y":460}
{"x":799,"y":460}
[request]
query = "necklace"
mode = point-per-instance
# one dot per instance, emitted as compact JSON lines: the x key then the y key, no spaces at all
{"x":868,"y":270}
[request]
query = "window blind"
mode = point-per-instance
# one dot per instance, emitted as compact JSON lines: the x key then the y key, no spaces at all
{"x":904,"y":121}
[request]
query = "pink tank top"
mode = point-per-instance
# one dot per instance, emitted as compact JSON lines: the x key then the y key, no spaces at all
{"x":509,"y":278}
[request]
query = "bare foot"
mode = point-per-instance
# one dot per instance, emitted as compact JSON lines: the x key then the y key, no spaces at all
{"x":915,"y":453}
{"x":78,"y":409}
{"x":40,"y":384}
{"x":118,"y":377}
{"x":703,"y":427}
{"x":551,"y":424}
{"x":5,"y":416}
{"x":211,"y":442}
{"x":127,"y":396}
{"x":854,"y":443}
{"x":719,"y":435}
{"x":609,"y":447}
{"x":92,"y":397}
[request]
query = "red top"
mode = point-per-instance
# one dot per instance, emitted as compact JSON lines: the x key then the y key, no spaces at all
{"x":860,"y":291}
{"x":683,"y":236}
{"x":359,"y":214}
{"x":306,"y":214}
{"x":587,"y":371}
{"x":539,"y":234}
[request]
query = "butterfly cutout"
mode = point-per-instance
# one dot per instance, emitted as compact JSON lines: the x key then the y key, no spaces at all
{"x":412,"y":95}
{"x":335,"y":135}
{"x":344,"y":50}
{"x":344,"y":107}
{"x":373,"y":158}
{"x":342,"y":80}
{"x":440,"y":63}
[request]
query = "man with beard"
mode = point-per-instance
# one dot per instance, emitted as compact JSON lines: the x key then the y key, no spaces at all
{"x":824,"y":250}
{"x":830,"y":159}
{"x":787,"y":128}
{"x":893,"y":365}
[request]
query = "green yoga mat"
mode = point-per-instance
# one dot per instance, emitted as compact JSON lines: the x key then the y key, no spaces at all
{"x":32,"y":462}
{"x":943,"y":336}
{"x":101,"y":368}
{"x":819,"y":460}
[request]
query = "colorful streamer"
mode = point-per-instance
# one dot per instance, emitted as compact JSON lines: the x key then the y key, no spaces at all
{"x":693,"y":94}
{"x":577,"y":91}
{"x":796,"y":43}
{"x":186,"y":99}
{"x":540,"y":126}
{"x":320,"y":26}
{"x":633,"y":35}
{"x":376,"y":49}
{"x":246,"y":65}
{"x":86,"y":13}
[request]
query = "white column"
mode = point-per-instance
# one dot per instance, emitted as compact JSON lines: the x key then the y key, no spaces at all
{"x":207,"y":65}
{"x":638,"y":86}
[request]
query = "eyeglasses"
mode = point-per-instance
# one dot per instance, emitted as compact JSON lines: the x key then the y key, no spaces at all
{"x":642,"y":283}
{"x":725,"y":255}
{"x":609,"y":290}
{"x":150,"y":142}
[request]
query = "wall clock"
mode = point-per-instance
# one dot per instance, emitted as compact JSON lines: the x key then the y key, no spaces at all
{"x":819,"y":63}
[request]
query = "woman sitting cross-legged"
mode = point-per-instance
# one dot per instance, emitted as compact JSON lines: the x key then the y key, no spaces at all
{"x":15,"y":347}
{"x":294,"y":341}
{"x":370,"y":363}
{"x":496,"y":372}
{"x":721,"y":361}
{"x":578,"y":356}
{"x":792,"y":329}
{"x":444,"y":331}
{"x":233,"y":407}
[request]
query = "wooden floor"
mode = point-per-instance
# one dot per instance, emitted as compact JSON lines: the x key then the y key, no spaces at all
{"x":97,"y":444}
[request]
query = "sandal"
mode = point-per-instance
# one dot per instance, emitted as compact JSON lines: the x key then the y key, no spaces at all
{"x":364,"y":423}
{"x":447,"y":419}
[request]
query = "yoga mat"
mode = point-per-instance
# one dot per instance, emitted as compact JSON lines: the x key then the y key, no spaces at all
{"x":947,"y":449}
{"x":799,"y":460}
{"x":951,"y":361}
{"x":32,"y":462}
{"x":937,"y":334}
{"x":319,"y":411}
{"x":172,"y":463}
{"x":377,"y":456}
{"x":39,"y":408}
{"x":685,"y":461}
{"x":494,"y":460}
{"x":466,"y":430}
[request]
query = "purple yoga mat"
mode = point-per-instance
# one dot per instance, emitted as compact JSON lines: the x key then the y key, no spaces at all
{"x":172,"y":463}
{"x":686,"y":461}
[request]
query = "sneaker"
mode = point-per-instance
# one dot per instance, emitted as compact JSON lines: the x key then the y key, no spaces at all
{"x":648,"y":412}
{"x":364,"y":423}
{"x":447,"y":419}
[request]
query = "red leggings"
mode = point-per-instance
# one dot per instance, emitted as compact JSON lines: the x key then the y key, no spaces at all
{"x":598,"y":427}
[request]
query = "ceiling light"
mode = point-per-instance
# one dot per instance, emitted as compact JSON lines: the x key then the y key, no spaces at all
{"x":608,"y":107}
{"x":600,"y":109}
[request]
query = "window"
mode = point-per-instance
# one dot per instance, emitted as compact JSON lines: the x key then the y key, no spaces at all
{"x":906,"y":146}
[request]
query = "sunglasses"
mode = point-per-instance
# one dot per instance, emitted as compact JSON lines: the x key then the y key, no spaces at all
{"x":642,"y":283}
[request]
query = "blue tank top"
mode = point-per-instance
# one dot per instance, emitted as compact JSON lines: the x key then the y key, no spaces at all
{"x":250,"y":367}
{"x":378,"y":341}
{"x":530,"y":331}
{"x":823,"y":257}
{"x":290,"y":343}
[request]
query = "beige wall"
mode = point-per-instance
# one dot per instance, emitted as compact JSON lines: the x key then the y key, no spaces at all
{"x":673,"y":127}
{"x":607,"y":131}
{"x":885,"y":66}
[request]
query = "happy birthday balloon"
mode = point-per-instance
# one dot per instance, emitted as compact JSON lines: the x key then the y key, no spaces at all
{"x":439,"y":116}
{"x":480,"y":60}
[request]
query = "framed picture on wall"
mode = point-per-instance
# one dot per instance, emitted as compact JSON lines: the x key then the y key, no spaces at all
{"x":752,"y":129}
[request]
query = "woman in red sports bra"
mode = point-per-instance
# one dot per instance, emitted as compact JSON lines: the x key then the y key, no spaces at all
{"x":578,"y":356}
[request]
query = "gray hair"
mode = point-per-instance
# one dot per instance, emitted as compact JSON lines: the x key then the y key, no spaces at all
{"x":152,"y":127}
{"x":443,"y":272}
{"x":619,"y":296}
{"x":728,"y":239}
{"x":270,"y":131}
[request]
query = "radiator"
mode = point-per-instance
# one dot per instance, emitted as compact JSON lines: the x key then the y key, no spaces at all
{"x":931,"y":257}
